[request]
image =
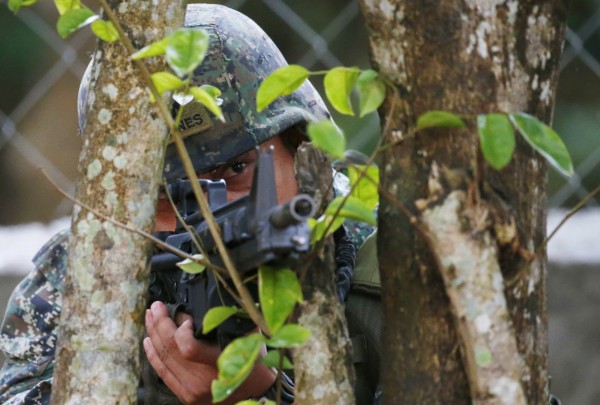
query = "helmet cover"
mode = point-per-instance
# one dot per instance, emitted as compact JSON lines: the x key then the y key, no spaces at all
{"x":239,"y":57}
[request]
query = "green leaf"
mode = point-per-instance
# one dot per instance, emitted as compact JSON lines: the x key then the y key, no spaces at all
{"x":352,"y":208}
{"x":154,"y":49}
{"x":255,"y":402}
{"x":65,"y":5}
{"x":281,"y":82}
{"x":279,"y":290}
{"x":439,"y":119}
{"x":371,"y":91}
{"x":74,"y":19}
{"x":273,"y":358}
{"x":338,"y":83}
{"x":289,"y":336}
{"x":105,"y":30}
{"x":327,"y":137}
{"x":216,"y":316}
{"x":324,"y":226}
{"x":212,"y":91}
{"x":544,"y":140}
{"x":365,"y":189}
{"x":235,"y":364}
{"x":165,"y":81}
{"x":206,"y":99}
{"x":191,"y":266}
{"x":186,"y":50}
{"x":15,"y":5}
{"x":497,"y":139}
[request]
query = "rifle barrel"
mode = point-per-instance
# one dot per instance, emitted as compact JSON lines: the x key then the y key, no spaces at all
{"x":298,"y":209}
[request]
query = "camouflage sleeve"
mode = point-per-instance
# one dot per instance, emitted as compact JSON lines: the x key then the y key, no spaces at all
{"x":28,"y":333}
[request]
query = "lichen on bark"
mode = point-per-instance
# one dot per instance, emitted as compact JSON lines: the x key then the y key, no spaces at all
{"x":120,"y":170}
{"x":323,"y":365}
{"x":466,"y":57}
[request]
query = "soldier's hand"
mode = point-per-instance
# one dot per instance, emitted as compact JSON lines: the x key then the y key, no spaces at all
{"x":188,"y":365}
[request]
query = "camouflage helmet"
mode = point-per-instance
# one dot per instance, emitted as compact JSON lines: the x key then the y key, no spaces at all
{"x":239,"y":57}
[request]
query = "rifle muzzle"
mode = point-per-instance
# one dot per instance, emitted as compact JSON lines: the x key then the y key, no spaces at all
{"x":298,"y":209}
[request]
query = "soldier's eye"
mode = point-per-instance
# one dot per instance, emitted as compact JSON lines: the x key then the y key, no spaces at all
{"x":235,"y":169}
{"x":238,"y":167}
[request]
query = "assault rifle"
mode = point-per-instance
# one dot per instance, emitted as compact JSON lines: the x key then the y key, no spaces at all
{"x":255,"y":230}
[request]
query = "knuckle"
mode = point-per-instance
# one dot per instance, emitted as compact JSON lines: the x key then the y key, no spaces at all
{"x":163,"y":353}
{"x":160,"y":369}
{"x":187,"y":349}
{"x":156,"y":363}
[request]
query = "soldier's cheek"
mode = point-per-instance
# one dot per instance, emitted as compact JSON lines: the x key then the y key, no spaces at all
{"x":166,"y":220}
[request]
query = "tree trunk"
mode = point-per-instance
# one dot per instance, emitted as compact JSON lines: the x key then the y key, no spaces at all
{"x":323,"y":366}
{"x":120,"y":170}
{"x":464,"y":299}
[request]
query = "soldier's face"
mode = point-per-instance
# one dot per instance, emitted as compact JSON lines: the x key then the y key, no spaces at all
{"x":238,"y":173}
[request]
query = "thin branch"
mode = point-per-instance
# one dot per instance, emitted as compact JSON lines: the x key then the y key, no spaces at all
{"x":573,"y":211}
{"x":362,"y":173}
{"x":217,"y":270}
{"x":188,"y":228}
{"x":147,"y":235}
{"x":193,"y":235}
{"x":249,"y":306}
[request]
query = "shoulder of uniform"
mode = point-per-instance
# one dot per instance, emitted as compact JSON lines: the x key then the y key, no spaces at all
{"x":29,"y":327}
{"x":51,"y":260}
{"x":23,"y":382}
{"x":50,"y":248}
{"x":366,"y":272}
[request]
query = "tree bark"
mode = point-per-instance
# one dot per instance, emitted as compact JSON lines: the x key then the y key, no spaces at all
{"x":323,"y":366}
{"x":120,"y":170}
{"x":464,"y":297}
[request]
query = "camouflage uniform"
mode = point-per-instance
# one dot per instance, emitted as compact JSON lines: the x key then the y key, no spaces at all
{"x":240,"y":56}
{"x":28,"y":334}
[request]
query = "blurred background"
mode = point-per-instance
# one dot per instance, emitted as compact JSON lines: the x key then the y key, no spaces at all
{"x":39,"y":77}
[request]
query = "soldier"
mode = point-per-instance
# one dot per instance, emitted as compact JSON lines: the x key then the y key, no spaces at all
{"x":240,"y":56}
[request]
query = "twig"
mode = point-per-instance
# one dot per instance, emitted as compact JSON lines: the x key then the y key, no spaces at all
{"x":188,"y":229}
{"x":217,"y":270}
{"x":362,"y":173}
{"x":147,"y":235}
{"x":196,"y":242}
{"x":573,"y":211}
{"x":254,"y":314}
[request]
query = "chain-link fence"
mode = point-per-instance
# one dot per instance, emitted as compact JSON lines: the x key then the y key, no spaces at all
{"x":39,"y":76}
{"x":40,"y":73}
